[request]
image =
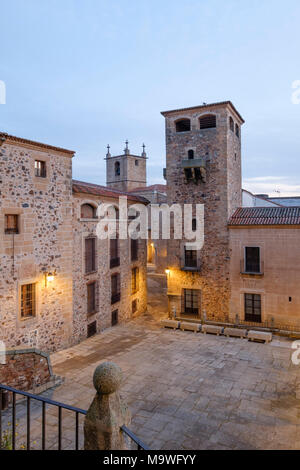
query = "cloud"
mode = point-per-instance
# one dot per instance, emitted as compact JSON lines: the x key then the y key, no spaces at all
{"x":274,"y":186}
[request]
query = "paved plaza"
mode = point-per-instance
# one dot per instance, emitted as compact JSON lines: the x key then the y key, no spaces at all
{"x":188,"y":391}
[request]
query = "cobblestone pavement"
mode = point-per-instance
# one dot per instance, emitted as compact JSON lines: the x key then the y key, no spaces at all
{"x":190,"y":391}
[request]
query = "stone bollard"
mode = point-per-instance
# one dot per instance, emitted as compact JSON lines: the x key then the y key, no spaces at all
{"x":108,"y":412}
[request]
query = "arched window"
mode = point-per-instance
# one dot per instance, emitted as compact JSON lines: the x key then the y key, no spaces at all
{"x":209,"y":121}
{"x":117,"y":169}
{"x":183,"y":125}
{"x":231,"y":124}
{"x":237,"y":130}
{"x":191,"y":154}
{"x":88,"y":211}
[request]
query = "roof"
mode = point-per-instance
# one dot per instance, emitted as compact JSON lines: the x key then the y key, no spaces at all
{"x":266,"y":216}
{"x":154,"y":187}
{"x":204,"y":106}
{"x":97,"y":190}
{"x":18,"y":140}
{"x":267,"y":199}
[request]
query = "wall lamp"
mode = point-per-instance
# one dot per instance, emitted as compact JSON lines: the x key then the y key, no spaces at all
{"x":49,"y":277}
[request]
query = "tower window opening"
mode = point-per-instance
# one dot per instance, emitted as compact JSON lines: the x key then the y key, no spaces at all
{"x":117,"y":169}
{"x":208,"y":122}
{"x":184,"y":125}
{"x":136,"y":163}
{"x":231,"y":124}
{"x":191,"y":154}
{"x":237,"y":130}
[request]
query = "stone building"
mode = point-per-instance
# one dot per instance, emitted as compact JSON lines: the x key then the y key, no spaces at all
{"x":203,"y":166}
{"x":248,"y":269}
{"x":58,"y":282}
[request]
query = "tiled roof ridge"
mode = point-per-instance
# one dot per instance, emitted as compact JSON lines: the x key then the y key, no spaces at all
{"x":266,"y":216}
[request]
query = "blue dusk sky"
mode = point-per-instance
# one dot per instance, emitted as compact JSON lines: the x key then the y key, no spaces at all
{"x":84,"y":73}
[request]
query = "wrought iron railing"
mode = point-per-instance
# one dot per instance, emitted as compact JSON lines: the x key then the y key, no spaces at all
{"x":8,"y":403}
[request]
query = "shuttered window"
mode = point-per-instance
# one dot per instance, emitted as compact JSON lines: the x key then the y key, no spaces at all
{"x":252,"y":259}
{"x":134,"y":249}
{"x":88,"y":211}
{"x":114,"y":253}
{"x":92,"y":298}
{"x":90,"y":255}
{"x":28,"y":300}
{"x":183,"y":125}
{"x":190,"y":303}
{"x":134,"y":280}
{"x":253,"y":308}
{"x":190,"y":258}
{"x":115,"y":288}
{"x":11,"y":224}
{"x":40,"y":169}
{"x":208,"y":122}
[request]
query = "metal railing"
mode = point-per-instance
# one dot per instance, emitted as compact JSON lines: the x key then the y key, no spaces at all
{"x":8,"y":399}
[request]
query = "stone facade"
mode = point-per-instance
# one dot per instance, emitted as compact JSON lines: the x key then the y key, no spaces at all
{"x":43,"y":244}
{"x":102,"y":276}
{"x":50,"y":240}
{"x":278,"y":283}
{"x":219,"y":189}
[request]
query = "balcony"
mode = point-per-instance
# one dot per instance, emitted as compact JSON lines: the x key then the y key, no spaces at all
{"x":194,"y":163}
{"x":194,"y":170}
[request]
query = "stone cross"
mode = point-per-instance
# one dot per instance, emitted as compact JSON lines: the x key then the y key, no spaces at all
{"x":108,"y":412}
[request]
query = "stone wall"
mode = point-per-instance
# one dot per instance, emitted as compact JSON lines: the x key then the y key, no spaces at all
{"x":26,"y":370}
{"x":81,"y":229}
{"x":44,"y":244}
{"x":221,"y":195}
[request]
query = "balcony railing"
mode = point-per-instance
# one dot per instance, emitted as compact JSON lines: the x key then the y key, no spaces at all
{"x":8,"y":399}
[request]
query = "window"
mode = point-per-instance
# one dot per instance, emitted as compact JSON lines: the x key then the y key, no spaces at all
{"x":194,"y":225}
{"x":90,"y":255}
{"x":114,"y":253}
{"x":114,"y":318}
{"x":117,"y":169}
{"x":88,"y":211}
{"x":134,"y":306}
{"x":28,"y":302}
{"x":208,"y":122}
{"x":91,"y":298}
{"x":237,"y":130}
{"x":40,"y":169}
{"x":190,"y":302}
{"x":115,"y":288}
{"x":191,"y":154}
{"x":252,"y":259}
{"x":231,"y":124}
{"x":190,"y":258}
{"x":134,"y":249}
{"x":134,"y":280}
{"x":92,"y":329}
{"x":253,"y":308}
{"x":11,"y":224}
{"x":184,"y":125}
{"x":136,"y":163}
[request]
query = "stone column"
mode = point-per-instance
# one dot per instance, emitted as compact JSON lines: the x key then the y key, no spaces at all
{"x":108,"y":412}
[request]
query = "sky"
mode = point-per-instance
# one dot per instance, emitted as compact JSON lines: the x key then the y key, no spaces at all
{"x":82,"y":74}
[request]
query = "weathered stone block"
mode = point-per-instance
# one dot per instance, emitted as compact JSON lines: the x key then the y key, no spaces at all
{"x":235,"y":332}
{"x":212,"y":329}
{"x":185,"y":326}
{"x":170,"y":324}
{"x":260,"y":336}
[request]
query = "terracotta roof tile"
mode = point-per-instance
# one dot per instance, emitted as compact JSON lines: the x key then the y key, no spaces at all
{"x":97,"y":190}
{"x":266,"y":216}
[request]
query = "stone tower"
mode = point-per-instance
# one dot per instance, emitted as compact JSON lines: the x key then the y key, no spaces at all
{"x":203,"y":166}
{"x":126,"y":172}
